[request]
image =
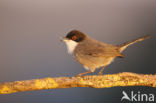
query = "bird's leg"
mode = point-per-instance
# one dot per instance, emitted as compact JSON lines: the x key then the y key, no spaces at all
{"x":79,"y":75}
{"x":100,"y":72}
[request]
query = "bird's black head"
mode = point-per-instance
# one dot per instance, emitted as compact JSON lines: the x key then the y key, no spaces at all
{"x":76,"y":35}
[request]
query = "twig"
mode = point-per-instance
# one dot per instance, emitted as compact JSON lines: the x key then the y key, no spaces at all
{"x":95,"y":81}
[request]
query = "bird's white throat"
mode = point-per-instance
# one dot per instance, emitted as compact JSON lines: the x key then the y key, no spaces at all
{"x":71,"y":45}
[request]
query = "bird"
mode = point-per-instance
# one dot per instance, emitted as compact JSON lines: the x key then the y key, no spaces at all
{"x":94,"y":54}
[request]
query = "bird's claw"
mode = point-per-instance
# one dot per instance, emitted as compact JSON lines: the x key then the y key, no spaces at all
{"x":100,"y":73}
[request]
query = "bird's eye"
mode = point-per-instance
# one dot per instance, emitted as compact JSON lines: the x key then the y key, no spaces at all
{"x":74,"y":37}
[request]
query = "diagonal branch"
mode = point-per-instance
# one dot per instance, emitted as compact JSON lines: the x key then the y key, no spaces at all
{"x":95,"y":81}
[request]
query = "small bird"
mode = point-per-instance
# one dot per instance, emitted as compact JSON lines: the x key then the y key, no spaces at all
{"x":93,"y":54}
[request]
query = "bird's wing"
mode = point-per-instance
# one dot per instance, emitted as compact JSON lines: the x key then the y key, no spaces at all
{"x":101,"y":50}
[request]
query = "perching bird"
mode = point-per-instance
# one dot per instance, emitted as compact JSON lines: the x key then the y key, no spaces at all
{"x":93,"y":54}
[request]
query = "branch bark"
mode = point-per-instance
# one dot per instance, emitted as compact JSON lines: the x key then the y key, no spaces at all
{"x":94,"y":81}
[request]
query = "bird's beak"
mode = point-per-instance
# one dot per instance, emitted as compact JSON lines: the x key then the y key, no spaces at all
{"x":64,"y":39}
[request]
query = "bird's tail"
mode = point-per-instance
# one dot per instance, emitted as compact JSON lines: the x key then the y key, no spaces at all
{"x":125,"y":45}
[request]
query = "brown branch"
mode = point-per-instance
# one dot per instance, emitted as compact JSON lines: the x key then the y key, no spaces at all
{"x":95,"y":81}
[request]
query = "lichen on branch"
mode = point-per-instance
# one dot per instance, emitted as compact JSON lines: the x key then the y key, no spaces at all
{"x":94,"y":81}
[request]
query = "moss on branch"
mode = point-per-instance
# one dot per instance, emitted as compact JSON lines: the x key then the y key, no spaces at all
{"x":94,"y":81}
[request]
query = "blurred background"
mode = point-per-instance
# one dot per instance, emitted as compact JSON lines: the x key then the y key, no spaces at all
{"x":30,"y":47}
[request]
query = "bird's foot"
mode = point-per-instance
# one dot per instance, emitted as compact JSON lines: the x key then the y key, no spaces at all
{"x":79,"y":75}
{"x":100,"y":73}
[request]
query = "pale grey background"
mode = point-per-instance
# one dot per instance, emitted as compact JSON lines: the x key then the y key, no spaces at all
{"x":30,"y":46}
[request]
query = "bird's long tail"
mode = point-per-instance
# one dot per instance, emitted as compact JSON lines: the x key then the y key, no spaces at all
{"x":125,"y":45}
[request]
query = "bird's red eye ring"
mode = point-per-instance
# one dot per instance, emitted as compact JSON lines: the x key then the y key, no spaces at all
{"x":74,"y":37}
